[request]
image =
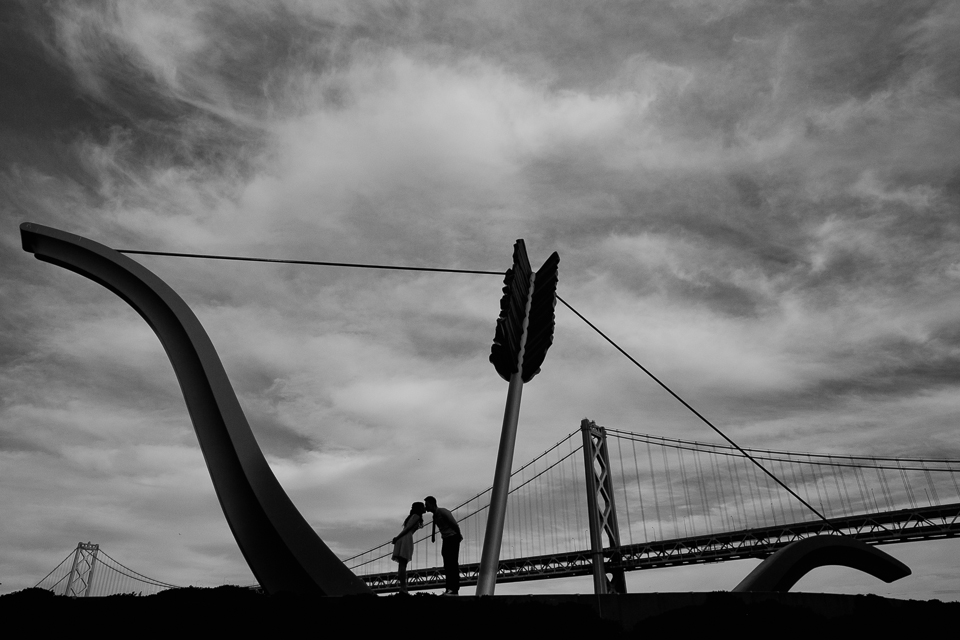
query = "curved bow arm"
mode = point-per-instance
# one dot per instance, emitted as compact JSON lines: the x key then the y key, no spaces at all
{"x":282,"y":549}
{"x":784,"y":568}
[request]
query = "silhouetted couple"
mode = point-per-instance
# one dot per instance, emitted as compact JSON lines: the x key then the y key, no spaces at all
{"x":450,"y":537}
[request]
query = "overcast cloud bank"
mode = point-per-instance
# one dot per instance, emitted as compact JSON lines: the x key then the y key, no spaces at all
{"x":757,"y":200}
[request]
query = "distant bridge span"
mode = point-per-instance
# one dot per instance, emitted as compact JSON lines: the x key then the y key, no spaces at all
{"x":907,"y":525}
{"x":716,"y":503}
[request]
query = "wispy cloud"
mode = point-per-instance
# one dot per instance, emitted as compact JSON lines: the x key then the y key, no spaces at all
{"x":757,"y":200}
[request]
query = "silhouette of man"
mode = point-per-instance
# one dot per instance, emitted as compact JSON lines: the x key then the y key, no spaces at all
{"x":451,"y":538}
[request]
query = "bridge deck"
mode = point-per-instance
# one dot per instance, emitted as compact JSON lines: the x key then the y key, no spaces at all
{"x":890,"y":527}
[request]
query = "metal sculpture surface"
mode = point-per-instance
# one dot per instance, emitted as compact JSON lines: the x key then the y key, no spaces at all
{"x":784,"y":568}
{"x":282,"y":549}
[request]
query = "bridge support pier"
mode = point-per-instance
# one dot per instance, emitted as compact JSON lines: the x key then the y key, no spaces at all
{"x":601,"y":510}
{"x":80,"y":580}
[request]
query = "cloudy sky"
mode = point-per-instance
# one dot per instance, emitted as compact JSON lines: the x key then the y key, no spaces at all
{"x":758,"y":200}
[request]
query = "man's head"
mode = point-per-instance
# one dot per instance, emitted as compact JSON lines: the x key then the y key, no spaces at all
{"x":431,"y":503}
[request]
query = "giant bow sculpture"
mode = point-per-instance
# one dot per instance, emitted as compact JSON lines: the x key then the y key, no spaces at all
{"x":282,"y":549}
{"x":783,"y":569}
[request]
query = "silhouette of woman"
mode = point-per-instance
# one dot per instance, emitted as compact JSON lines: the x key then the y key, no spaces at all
{"x":403,"y":543}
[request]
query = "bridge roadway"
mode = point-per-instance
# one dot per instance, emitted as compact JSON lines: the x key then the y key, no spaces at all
{"x":887,"y":527}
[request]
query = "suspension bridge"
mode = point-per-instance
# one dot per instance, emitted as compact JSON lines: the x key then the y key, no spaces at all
{"x":653,"y":501}
{"x":660,"y":502}
{"x":89,"y":571}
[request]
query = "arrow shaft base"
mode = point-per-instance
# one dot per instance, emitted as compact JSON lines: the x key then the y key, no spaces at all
{"x":490,"y":556}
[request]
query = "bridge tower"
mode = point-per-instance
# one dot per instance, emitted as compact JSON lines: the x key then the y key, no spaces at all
{"x":80,"y":581}
{"x":601,"y":510}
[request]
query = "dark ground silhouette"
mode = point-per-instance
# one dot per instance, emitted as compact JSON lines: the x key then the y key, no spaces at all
{"x":241,"y":610}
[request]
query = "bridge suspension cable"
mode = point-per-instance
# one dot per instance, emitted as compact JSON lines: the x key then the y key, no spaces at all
{"x":721,"y":483}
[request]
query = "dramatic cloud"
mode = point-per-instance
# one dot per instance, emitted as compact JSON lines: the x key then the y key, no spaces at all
{"x":758,"y":200}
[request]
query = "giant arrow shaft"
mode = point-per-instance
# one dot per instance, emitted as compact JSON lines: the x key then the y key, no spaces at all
{"x":490,"y":557}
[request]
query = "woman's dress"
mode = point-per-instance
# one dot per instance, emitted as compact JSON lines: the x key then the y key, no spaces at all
{"x":403,"y":547}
